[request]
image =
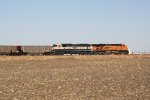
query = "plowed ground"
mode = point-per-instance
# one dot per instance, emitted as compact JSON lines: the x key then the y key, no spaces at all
{"x":75,"y":78}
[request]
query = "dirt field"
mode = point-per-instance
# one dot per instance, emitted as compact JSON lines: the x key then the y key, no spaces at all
{"x":75,"y":77}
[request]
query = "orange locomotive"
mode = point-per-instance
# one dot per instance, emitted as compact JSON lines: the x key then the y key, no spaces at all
{"x":109,"y":49}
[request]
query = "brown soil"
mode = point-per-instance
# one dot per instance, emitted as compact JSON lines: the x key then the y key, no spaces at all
{"x":75,"y":77}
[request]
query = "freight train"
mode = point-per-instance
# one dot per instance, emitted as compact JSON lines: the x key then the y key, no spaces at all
{"x":62,"y":49}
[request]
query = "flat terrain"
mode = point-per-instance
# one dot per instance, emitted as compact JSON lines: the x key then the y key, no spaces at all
{"x":75,"y":77}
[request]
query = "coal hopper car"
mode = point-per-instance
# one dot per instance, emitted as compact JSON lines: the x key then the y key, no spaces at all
{"x":9,"y":50}
{"x":36,"y":50}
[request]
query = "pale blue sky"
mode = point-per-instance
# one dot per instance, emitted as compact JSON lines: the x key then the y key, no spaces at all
{"x":44,"y":22}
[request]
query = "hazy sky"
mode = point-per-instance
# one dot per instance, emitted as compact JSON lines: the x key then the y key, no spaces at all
{"x":44,"y":22}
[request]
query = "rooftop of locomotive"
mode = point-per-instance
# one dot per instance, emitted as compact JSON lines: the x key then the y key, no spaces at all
{"x":107,"y":44}
{"x":67,"y":44}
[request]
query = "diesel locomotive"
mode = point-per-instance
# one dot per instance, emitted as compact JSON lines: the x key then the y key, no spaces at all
{"x":71,"y":49}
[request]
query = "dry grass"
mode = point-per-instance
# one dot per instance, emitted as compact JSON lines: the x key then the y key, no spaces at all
{"x":75,"y":77}
{"x":90,"y":57}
